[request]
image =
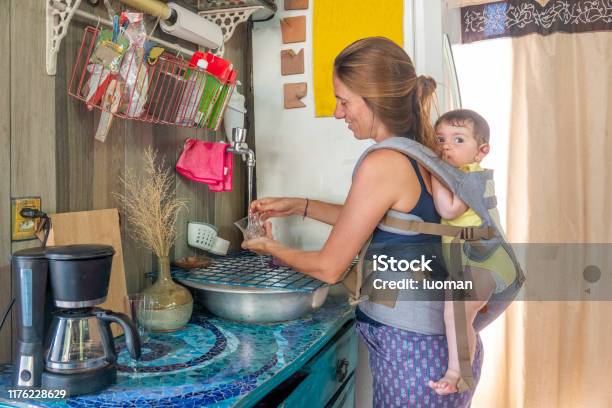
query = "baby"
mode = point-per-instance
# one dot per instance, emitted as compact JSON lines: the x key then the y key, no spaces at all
{"x":463,"y":141}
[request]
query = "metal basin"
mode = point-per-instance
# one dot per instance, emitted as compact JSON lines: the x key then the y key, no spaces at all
{"x":257,"y":305}
{"x":244,"y":287}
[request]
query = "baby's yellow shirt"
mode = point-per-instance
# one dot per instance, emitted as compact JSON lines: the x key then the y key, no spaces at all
{"x":468,"y":218}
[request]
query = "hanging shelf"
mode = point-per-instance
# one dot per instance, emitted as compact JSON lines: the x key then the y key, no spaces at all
{"x":59,"y":14}
{"x":228,"y":14}
{"x":265,"y":8}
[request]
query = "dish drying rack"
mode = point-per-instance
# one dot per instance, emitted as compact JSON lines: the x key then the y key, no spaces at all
{"x":158,"y":94}
{"x":245,"y":270}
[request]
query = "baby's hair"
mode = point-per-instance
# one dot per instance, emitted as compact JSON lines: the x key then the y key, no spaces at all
{"x":461,"y":117}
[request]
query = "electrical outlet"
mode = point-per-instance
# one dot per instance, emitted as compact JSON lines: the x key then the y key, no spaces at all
{"x":23,"y":228}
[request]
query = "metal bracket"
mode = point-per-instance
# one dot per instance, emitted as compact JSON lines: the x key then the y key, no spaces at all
{"x":59,"y":14}
{"x":228,"y":19}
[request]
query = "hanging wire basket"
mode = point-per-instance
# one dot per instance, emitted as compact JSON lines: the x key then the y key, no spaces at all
{"x":170,"y":91}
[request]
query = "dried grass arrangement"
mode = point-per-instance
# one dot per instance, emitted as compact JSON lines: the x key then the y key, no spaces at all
{"x":151,"y":209}
{"x":150,"y":205}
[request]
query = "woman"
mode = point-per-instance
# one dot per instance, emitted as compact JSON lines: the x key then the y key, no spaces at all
{"x":379,"y":96}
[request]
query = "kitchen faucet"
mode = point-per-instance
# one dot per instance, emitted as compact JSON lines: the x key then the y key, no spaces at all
{"x":239,"y":146}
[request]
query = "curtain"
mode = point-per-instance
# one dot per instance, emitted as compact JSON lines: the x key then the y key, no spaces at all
{"x":557,"y":354}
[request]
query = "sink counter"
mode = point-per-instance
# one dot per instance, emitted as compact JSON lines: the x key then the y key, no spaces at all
{"x":210,"y":362}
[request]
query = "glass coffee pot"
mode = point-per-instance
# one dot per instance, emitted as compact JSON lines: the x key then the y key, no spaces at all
{"x":80,"y":340}
{"x":80,"y":355}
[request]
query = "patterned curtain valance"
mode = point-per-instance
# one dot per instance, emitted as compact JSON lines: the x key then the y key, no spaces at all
{"x":514,"y":18}
{"x":465,"y":3}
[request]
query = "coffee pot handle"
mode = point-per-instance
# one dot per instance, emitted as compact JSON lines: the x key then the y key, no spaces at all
{"x":132,"y":339}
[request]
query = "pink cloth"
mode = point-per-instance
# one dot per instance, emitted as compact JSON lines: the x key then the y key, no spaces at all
{"x":207,"y":162}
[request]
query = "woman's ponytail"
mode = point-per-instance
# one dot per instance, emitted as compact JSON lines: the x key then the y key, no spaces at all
{"x":423,"y":99}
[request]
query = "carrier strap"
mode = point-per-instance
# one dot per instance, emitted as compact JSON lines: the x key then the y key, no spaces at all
{"x":466,"y":379}
{"x":358,"y":292}
{"x":353,"y":280}
{"x":430,"y":228}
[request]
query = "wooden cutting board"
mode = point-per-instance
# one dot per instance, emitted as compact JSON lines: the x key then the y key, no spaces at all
{"x":95,"y":227}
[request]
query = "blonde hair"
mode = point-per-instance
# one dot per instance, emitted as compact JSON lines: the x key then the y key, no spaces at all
{"x":383,"y":74}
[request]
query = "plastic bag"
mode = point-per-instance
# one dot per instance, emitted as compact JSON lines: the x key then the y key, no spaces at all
{"x":134,"y":74}
{"x":109,"y":53}
{"x":106,"y":59}
{"x":133,"y":71}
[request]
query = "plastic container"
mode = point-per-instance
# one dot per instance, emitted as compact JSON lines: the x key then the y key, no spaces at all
{"x":204,"y":236}
{"x":219,"y":71}
{"x":234,"y":114}
{"x":196,"y":82}
{"x":222,"y":101}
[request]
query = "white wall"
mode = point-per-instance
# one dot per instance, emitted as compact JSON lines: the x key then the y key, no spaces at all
{"x":298,"y":154}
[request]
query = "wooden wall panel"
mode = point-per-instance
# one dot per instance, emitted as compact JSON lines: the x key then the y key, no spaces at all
{"x":47,"y":145}
{"x":185,"y":189}
{"x":32,"y":106}
{"x":74,"y":126}
{"x":230,"y":207}
{"x":32,"y":168}
{"x":220,"y":209}
{"x":5,"y":182}
{"x":138,"y":260}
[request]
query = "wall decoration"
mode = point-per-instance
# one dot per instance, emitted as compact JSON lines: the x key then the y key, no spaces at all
{"x":292,"y":63}
{"x":293,"y":29}
{"x":296,"y":4}
{"x":338,"y":23}
{"x":293,"y":92}
{"x":517,"y":18}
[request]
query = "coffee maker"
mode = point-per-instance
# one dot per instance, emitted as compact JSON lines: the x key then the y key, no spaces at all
{"x":79,"y":354}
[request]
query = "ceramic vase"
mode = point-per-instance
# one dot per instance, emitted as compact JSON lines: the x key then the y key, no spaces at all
{"x":169,"y":305}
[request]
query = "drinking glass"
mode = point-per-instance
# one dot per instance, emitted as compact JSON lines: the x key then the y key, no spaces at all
{"x":137,"y":308}
{"x":251,"y":228}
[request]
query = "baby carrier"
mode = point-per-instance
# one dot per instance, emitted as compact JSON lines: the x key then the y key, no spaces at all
{"x":476,"y":190}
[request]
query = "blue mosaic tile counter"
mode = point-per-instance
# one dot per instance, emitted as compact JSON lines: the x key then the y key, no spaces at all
{"x":212,"y":362}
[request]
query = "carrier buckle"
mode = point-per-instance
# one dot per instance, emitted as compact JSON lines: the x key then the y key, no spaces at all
{"x":476,"y":233}
{"x":467,"y":233}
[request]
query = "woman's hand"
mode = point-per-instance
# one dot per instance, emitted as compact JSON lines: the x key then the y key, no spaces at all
{"x":278,"y":207}
{"x":261,"y":245}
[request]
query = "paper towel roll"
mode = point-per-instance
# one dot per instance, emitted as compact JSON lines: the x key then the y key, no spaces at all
{"x":191,"y":27}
